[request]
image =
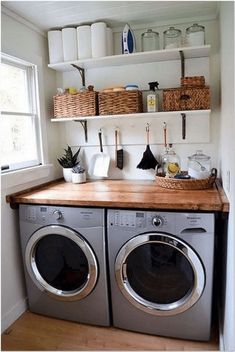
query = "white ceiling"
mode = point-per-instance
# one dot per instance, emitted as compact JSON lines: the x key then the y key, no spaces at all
{"x":56,"y":14}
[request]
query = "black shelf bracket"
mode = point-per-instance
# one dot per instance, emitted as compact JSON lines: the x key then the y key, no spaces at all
{"x":84,"y":125}
{"x":82,"y":73}
{"x":183,"y":125}
{"x":182,"y":63}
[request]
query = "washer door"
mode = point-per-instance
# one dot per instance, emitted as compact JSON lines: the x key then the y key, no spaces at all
{"x":159,"y":274}
{"x":61,"y":262}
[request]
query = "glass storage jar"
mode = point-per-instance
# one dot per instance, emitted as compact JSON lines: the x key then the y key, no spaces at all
{"x":170,"y":162}
{"x":195,"y":35}
{"x":149,"y":40}
{"x":199,"y":165}
{"x":172,"y":38}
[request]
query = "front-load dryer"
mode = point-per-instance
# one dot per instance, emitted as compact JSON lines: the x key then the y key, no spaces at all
{"x":65,"y":264}
{"x":161,"y":272}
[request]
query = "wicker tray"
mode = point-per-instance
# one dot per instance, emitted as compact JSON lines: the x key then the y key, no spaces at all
{"x":176,"y":99}
{"x":191,"y":184}
{"x":80,"y":104}
{"x":115,"y":103}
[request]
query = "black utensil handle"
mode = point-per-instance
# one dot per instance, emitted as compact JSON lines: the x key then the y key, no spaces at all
{"x":100,"y":140}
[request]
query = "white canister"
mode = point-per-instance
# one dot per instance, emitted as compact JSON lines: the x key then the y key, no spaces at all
{"x":55,"y":46}
{"x":109,"y":41}
{"x":84,"y":42}
{"x":78,"y":178}
{"x":69,"y":39}
{"x":98,"y":39}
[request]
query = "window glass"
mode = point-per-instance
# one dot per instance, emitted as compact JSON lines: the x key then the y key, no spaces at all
{"x":20,"y":145}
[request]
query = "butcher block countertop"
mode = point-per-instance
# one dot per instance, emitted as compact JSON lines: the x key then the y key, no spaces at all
{"x":122,"y":194}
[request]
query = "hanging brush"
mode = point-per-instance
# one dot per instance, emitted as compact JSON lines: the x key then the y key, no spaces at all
{"x":148,"y":160}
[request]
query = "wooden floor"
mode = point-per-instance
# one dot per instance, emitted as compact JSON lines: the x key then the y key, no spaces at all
{"x":32,"y":332}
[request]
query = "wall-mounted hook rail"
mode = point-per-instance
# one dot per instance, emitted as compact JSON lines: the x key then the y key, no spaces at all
{"x":84,"y":125}
{"x":82,"y":73}
{"x":182,"y":63}
{"x":183,"y":125}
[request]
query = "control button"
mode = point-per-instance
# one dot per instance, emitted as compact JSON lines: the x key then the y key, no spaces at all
{"x":157,"y":221}
{"x":57,"y":215}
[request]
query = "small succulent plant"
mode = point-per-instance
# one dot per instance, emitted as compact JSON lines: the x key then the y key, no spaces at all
{"x":68,"y":159}
{"x":78,"y":169}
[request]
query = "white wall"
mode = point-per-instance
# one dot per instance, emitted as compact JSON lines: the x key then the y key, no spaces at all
{"x":202,"y":132}
{"x":21,"y":41}
{"x":227,"y":160}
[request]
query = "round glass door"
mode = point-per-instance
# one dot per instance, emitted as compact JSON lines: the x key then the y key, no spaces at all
{"x":61,"y":262}
{"x":159,"y":274}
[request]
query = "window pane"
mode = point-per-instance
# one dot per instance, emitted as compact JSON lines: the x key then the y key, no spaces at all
{"x":18,"y":140}
{"x":14,"y":89}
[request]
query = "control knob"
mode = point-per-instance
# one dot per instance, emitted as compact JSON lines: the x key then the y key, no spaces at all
{"x":157,"y":221}
{"x":57,"y":215}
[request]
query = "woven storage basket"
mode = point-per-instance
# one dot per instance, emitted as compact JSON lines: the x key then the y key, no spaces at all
{"x":193,"y":82}
{"x":176,"y":99}
{"x":191,"y":184}
{"x":115,"y":103}
{"x":80,"y":104}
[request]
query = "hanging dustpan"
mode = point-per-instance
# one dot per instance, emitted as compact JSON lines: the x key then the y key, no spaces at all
{"x":148,"y":160}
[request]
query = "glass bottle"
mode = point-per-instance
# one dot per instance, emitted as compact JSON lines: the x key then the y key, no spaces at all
{"x":149,"y":40}
{"x":195,"y":35}
{"x":171,"y":162}
{"x":172,"y":38}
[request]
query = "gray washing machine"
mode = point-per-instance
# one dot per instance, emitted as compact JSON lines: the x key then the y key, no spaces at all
{"x":161,"y":272}
{"x":64,"y":259}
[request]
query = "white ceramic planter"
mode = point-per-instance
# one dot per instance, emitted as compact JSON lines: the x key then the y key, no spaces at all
{"x":67,"y":173}
{"x":78,"y":178}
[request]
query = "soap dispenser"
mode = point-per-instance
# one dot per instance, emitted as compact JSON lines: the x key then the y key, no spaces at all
{"x":152,"y":98}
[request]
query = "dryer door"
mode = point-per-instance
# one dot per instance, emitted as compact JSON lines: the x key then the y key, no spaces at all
{"x":159,"y":274}
{"x":61,"y":262}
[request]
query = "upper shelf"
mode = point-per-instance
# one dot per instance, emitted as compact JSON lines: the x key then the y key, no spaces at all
{"x":135,"y":58}
{"x":134,"y":116}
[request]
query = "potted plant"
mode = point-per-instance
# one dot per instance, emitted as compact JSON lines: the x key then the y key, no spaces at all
{"x":68,"y":161}
{"x":78,"y":174}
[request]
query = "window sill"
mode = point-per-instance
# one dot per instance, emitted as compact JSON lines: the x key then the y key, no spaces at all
{"x":21,"y":177}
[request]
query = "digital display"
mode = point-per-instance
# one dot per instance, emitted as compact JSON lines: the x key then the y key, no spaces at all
{"x":43,"y":209}
{"x":139,"y":215}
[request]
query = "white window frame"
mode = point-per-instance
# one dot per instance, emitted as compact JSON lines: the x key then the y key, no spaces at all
{"x":33,"y":95}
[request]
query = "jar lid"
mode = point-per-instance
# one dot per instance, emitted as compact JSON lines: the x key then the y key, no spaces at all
{"x":172,"y":32}
{"x":199,"y":156}
{"x":195,"y":28}
{"x":149,"y":31}
{"x":131,"y":86}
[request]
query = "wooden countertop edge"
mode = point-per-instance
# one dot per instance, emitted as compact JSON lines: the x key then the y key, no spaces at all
{"x":125,"y":205}
{"x":223,"y":197}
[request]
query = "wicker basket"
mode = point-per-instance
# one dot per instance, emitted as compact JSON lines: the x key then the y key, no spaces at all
{"x":193,"y":82}
{"x":176,"y":99}
{"x":80,"y":104}
{"x":125,"y":102}
{"x":191,"y":184}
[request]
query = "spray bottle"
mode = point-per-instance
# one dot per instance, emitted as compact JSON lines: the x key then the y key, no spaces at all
{"x":152,"y":98}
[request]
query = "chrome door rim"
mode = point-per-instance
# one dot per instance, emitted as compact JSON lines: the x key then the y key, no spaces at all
{"x":154,"y":308}
{"x":38,"y":279}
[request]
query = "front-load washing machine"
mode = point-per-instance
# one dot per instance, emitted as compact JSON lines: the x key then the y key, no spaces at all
{"x":64,"y":260}
{"x":161,"y":272}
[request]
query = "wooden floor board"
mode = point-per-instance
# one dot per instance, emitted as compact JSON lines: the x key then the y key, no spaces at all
{"x":32,"y":332}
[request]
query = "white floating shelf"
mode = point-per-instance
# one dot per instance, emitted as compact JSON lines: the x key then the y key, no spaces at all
{"x":139,"y":115}
{"x":135,"y":58}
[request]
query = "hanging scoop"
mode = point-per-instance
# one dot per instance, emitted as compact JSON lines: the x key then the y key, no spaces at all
{"x":148,"y":160}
